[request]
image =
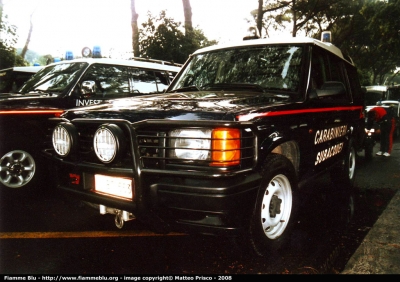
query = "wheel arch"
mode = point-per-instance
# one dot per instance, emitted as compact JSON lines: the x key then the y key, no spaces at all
{"x":290,"y":150}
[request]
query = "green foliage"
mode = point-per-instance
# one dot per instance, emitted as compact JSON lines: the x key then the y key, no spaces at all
{"x":32,"y":57}
{"x":375,"y":39}
{"x":8,"y":55}
{"x":162,"y":38}
{"x":367,"y":30}
{"x":364,"y":77}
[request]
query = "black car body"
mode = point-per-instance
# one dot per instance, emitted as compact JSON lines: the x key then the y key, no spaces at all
{"x":59,"y":86}
{"x":228,"y":149}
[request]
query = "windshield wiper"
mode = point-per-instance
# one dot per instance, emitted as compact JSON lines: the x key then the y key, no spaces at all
{"x":187,"y":88}
{"x":223,"y":86}
{"x":40,"y":91}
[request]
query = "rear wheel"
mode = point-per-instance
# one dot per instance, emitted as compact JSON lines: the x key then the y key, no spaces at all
{"x":272,"y":216}
{"x":343,"y":175}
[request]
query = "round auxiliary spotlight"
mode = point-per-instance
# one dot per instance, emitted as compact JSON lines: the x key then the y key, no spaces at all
{"x":108,"y":143}
{"x":65,"y":138}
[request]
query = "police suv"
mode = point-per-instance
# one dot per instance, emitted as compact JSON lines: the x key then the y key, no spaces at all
{"x":227,"y":150}
{"x":59,"y":86}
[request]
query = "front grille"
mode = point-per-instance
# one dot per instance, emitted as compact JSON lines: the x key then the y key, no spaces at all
{"x":152,"y":149}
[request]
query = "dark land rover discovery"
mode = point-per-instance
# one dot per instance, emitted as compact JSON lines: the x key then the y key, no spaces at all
{"x":227,"y":150}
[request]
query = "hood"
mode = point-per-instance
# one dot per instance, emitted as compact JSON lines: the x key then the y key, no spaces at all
{"x":31,"y":101}
{"x":201,"y":105}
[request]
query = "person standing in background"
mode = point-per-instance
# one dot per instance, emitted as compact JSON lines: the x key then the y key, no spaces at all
{"x":385,"y":118}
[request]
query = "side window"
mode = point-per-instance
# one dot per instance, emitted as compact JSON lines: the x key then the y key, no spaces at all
{"x":355,"y":85}
{"x":327,"y":76}
{"x":318,"y":70}
{"x":105,"y":81}
{"x":148,"y":81}
{"x":143,"y":81}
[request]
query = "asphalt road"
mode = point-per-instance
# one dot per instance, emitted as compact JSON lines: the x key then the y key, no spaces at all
{"x":51,"y":234}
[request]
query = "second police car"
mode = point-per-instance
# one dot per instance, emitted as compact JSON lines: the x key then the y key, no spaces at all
{"x":59,"y":86}
{"x":228,"y":149}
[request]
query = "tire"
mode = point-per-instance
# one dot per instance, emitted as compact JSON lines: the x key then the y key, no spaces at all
{"x":20,"y":167}
{"x":272,"y":216}
{"x":343,"y":175}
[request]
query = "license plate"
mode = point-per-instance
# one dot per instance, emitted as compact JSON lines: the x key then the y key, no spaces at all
{"x":114,"y":186}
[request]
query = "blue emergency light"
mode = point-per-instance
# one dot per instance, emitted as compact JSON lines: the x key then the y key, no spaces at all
{"x":69,"y":55}
{"x":96,"y":52}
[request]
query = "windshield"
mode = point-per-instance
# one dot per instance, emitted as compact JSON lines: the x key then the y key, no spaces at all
{"x":276,"y":68}
{"x":56,"y":79}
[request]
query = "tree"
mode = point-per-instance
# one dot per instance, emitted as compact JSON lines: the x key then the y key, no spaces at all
{"x":135,"y":30}
{"x":8,"y":40}
{"x":375,"y":39}
{"x":367,"y":30}
{"x":309,"y":16}
{"x":269,"y":21}
{"x":187,"y":11}
{"x":23,"y":53}
{"x":162,"y":38}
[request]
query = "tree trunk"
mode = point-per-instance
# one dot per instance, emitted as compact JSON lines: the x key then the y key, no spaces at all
{"x":25,"y":49}
{"x":260,"y":15}
{"x":187,"y":10}
{"x":294,"y":31}
{"x":135,"y":30}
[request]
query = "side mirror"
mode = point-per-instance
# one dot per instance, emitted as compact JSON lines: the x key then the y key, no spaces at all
{"x":88,"y":88}
{"x":331,"y":88}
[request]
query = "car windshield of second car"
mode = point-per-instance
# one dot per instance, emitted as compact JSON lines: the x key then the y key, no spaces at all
{"x":265,"y":69}
{"x":53,"y":80}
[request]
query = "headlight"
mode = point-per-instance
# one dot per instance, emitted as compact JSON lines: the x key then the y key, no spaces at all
{"x":64,"y":138}
{"x":108,"y":142}
{"x":219,"y":146}
{"x":190,"y":144}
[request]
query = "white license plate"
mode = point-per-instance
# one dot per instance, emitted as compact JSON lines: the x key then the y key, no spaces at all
{"x":114,"y":186}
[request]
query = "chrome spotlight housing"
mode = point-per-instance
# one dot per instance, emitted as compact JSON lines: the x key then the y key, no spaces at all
{"x":109,"y":143}
{"x":65,"y":138}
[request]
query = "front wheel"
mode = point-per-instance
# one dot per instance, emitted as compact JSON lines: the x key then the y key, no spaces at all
{"x":17,"y":169}
{"x":272,"y":216}
{"x":20,"y":166}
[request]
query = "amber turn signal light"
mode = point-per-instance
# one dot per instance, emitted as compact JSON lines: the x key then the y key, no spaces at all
{"x":225,"y":143}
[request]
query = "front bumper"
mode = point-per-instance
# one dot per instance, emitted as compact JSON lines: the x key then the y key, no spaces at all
{"x":169,"y":200}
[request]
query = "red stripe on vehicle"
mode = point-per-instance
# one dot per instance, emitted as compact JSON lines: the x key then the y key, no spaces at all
{"x":295,"y":112}
{"x":30,"y":112}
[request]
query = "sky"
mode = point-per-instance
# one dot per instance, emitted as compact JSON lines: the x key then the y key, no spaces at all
{"x":70,"y":25}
